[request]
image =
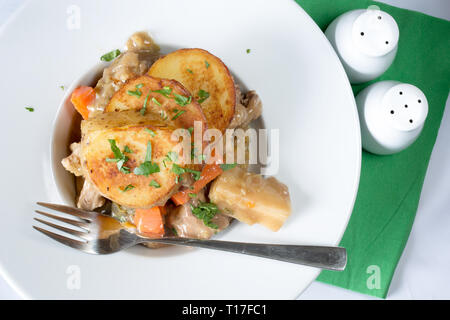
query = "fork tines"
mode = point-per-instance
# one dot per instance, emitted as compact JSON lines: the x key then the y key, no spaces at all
{"x":84,"y":217}
{"x":87,"y":215}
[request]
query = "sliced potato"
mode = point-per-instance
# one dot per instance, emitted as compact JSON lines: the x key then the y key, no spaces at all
{"x":121,"y":119}
{"x":197,"y":69}
{"x":133,"y":94}
{"x":105,"y":175}
{"x":250,"y":198}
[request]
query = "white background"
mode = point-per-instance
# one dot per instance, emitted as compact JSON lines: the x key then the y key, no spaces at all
{"x":424,"y":268}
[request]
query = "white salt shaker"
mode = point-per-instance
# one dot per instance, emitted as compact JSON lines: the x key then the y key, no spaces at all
{"x":392,"y":115}
{"x":365,"y":41}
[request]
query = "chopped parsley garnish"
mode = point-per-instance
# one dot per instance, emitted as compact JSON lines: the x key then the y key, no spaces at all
{"x":174,"y":231}
{"x":147,"y":167}
{"x":144,"y":107}
{"x":205,"y":211}
{"x":163,"y":115}
{"x":190,"y":71}
{"x":190,"y":130}
{"x":193,"y":151}
{"x":115,"y":149}
{"x":178,"y":113}
{"x":148,"y":154}
{"x":165,"y":91}
{"x":137,"y":92}
{"x":192,"y":195}
{"x":179,"y":99}
{"x":119,"y":157}
{"x":202,"y":95}
{"x":248,"y":50}
{"x":127,"y":188}
{"x":182,"y":100}
{"x":227,"y":166}
{"x":62,"y":88}
{"x":30,"y":109}
{"x":110,"y":55}
{"x":195,"y":173}
{"x":155,"y":184}
{"x":123,"y":169}
{"x":127,"y":150}
{"x":112,"y":160}
{"x":206,"y":64}
{"x":152,"y":133}
{"x":194,"y":154}
{"x":156,"y":101}
{"x":172,"y":156}
{"x":177,"y":169}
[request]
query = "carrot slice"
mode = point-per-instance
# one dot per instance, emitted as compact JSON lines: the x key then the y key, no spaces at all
{"x":163,"y":210}
{"x":150,"y":221}
{"x":81,"y":98}
{"x":209,"y":173}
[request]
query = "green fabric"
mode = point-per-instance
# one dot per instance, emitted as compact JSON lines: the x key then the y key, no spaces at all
{"x":390,"y":186}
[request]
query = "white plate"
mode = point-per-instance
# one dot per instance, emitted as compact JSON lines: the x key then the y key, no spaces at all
{"x":305,"y":94}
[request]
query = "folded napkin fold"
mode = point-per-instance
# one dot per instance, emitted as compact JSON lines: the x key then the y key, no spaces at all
{"x":390,"y":186}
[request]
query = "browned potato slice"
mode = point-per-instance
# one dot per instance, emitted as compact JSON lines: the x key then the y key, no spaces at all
{"x":135,"y":92}
{"x":121,"y":119}
{"x":197,"y":69}
{"x":250,"y":198}
{"x":105,"y":175}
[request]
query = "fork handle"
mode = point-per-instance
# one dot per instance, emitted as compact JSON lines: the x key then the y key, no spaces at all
{"x":331,"y":258}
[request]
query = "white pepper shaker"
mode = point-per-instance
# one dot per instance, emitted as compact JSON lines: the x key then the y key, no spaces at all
{"x":365,"y":41}
{"x":392,"y":115}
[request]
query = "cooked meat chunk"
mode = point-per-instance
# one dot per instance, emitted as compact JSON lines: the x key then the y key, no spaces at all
{"x":141,"y":41}
{"x":72,"y":162}
{"x":90,"y":198}
{"x":187,"y":225}
{"x":248,"y":108}
{"x":142,"y":53}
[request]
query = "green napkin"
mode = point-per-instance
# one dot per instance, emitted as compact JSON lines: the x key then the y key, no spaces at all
{"x":390,"y":186}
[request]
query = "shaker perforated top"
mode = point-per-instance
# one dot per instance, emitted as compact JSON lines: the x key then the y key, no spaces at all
{"x":375,"y":33}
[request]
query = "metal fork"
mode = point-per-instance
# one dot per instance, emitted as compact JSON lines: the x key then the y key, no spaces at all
{"x":103,"y":234}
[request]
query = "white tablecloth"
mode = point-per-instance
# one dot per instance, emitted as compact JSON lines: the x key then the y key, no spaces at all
{"x":423,"y":271}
